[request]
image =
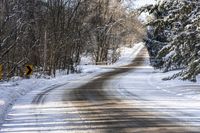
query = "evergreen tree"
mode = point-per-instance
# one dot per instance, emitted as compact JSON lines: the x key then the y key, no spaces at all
{"x":173,"y":39}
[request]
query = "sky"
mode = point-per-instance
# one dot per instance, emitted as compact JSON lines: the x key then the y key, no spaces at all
{"x":135,"y":4}
{"x":140,"y":3}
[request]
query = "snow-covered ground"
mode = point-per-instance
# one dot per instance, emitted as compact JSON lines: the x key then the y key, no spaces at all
{"x":12,"y":90}
{"x":177,"y":95}
{"x":176,"y":98}
{"x":172,"y":98}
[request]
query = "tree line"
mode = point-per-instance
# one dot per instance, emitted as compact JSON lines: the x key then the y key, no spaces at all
{"x":53,"y":34}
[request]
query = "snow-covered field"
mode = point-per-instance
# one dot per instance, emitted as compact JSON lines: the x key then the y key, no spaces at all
{"x":12,"y":90}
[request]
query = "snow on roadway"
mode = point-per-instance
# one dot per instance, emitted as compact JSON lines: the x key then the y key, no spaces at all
{"x":171,"y":99}
{"x":12,"y":90}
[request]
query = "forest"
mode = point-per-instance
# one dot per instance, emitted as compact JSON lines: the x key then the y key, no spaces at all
{"x":53,"y":34}
{"x":173,"y":37}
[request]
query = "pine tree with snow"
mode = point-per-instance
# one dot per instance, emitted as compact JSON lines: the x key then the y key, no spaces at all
{"x":174,"y":36}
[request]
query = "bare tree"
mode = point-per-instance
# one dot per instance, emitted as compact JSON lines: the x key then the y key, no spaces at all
{"x":53,"y":34}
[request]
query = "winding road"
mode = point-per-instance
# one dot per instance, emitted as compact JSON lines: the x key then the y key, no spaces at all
{"x":101,"y":105}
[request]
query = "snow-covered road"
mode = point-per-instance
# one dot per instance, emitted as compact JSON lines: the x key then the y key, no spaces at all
{"x":131,"y":99}
{"x":173,"y":100}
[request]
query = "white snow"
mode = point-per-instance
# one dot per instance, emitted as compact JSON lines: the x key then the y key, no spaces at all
{"x":128,"y":54}
{"x":147,"y":84}
{"x":86,"y":60}
{"x":175,"y":98}
{"x":144,"y":17}
{"x":12,"y":90}
{"x":172,"y":53}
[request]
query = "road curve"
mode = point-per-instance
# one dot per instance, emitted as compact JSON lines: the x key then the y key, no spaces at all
{"x":103,"y":112}
{"x":91,"y":107}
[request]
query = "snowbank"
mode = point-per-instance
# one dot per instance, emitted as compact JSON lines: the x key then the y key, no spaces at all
{"x":12,"y":90}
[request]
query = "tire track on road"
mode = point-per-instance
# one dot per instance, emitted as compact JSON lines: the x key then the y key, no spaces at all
{"x":40,"y":98}
{"x":106,"y":114}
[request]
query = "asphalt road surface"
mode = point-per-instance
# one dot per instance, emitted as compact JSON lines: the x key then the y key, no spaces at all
{"x":95,"y":106}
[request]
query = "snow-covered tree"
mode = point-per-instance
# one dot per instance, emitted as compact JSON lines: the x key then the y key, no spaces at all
{"x":174,"y":36}
{"x":53,"y":34}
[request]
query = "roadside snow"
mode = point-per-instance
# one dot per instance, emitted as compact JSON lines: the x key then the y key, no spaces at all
{"x":127,"y":55}
{"x":12,"y":90}
{"x":187,"y":89}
